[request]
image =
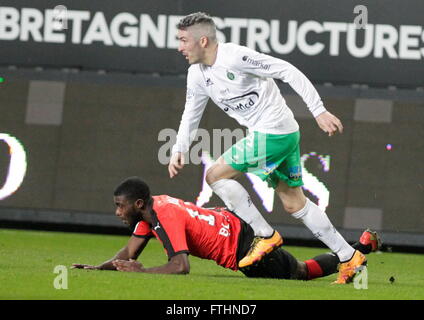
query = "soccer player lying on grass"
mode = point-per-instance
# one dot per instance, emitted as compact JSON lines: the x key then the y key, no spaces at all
{"x":215,"y":234}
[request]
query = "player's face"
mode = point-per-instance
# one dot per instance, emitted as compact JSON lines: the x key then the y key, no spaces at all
{"x":189,"y":47}
{"x":127,"y":211}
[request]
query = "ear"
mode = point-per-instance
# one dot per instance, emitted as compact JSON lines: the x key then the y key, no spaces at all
{"x":204,"y":41}
{"x":139,"y":203}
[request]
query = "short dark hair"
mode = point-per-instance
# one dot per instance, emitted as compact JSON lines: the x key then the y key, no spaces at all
{"x":195,"y":18}
{"x":199,"y":19}
{"x":134,"y":188}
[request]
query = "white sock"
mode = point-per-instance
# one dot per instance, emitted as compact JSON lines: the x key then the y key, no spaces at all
{"x":317,"y":221}
{"x":238,"y":200}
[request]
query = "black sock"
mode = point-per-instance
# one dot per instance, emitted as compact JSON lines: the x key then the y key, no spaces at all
{"x":322,"y":265}
{"x":365,"y":249}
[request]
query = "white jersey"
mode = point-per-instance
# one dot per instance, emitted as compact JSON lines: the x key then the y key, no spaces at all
{"x":241,"y":83}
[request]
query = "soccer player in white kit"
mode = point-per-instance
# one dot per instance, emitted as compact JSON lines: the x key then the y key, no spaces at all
{"x":240,"y":81}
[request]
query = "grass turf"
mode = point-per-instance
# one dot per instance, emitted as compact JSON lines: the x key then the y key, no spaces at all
{"x":28,"y":259}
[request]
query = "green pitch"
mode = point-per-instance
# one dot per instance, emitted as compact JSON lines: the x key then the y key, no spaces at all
{"x":28,"y":260}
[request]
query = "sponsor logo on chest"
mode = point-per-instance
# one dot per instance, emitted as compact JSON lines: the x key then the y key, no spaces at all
{"x":241,"y":103}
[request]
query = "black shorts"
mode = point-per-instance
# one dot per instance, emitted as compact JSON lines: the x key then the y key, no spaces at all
{"x":278,"y":264}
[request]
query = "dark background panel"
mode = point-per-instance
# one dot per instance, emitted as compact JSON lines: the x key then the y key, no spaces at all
{"x":110,"y":132}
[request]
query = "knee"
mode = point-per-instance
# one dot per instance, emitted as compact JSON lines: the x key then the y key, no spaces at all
{"x":219,"y":171}
{"x":211,"y":175}
{"x":293,"y":200}
{"x":291,"y":207}
{"x":294,"y":205}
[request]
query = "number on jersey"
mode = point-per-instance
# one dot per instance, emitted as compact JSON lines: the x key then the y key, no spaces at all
{"x":209,"y":219}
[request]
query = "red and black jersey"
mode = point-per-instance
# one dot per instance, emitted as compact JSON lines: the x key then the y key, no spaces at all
{"x":184,"y":227}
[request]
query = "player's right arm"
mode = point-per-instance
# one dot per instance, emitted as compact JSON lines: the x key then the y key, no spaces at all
{"x":176,"y":163}
{"x":196,"y":100}
{"x":131,"y":251}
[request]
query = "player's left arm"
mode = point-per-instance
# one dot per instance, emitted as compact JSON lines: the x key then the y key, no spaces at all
{"x":329,"y":123}
{"x":178,"y":264}
{"x":131,"y":251}
{"x":170,"y":230}
{"x":264,"y":65}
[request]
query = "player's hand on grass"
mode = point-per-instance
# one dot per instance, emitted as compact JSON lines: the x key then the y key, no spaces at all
{"x":175,"y":164}
{"x":84,"y":266}
{"x":128,"y":266}
{"x":329,"y":123}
